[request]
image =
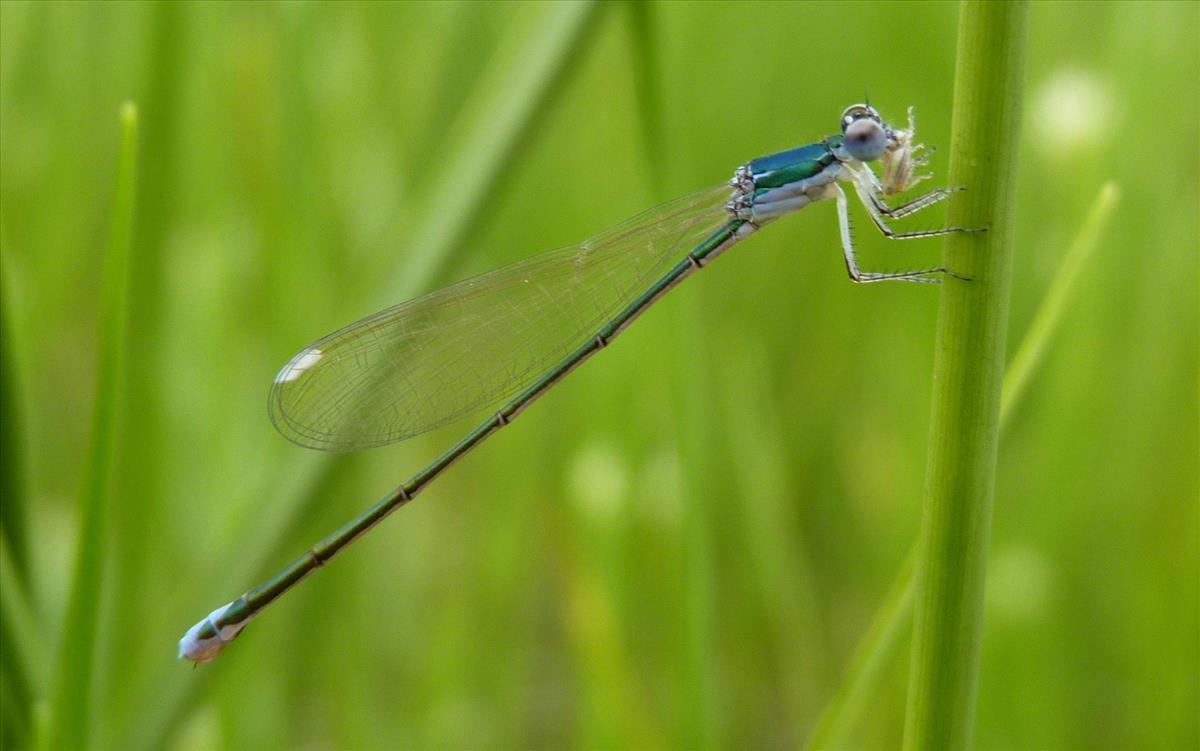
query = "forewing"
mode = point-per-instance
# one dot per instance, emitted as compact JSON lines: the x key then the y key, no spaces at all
{"x":436,"y":358}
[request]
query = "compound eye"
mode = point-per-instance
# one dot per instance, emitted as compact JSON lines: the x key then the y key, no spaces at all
{"x":857,"y":112}
{"x":865,"y":140}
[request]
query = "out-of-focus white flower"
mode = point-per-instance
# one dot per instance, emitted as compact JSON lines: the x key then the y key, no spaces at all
{"x":1072,"y":110}
{"x":1020,"y":584}
{"x":598,"y":481}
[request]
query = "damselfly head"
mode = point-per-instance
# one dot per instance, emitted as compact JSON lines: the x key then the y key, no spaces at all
{"x":864,"y":134}
{"x":857,"y":112}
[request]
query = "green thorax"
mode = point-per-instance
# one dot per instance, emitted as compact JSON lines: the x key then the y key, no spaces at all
{"x":794,"y":165}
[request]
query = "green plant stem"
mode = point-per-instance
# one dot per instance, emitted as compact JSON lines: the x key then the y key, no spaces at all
{"x":967,"y":378}
{"x":70,"y":719}
{"x":867,"y":666}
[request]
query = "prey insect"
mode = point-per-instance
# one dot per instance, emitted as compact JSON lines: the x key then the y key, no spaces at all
{"x":504,"y":338}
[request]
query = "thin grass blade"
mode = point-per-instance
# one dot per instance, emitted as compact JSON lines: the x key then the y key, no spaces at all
{"x":22,"y":655}
{"x":867,"y":666}
{"x":16,"y":661}
{"x":1048,"y":319}
{"x":647,"y":84}
{"x":71,"y":711}
{"x":13,"y":515}
{"x":507,"y":103}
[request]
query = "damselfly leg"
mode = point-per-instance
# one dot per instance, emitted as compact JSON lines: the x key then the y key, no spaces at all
{"x":926,"y":276}
{"x":908,"y":208}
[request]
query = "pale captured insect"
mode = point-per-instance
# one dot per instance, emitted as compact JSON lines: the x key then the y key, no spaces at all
{"x":901,"y":160}
{"x":513,"y":333}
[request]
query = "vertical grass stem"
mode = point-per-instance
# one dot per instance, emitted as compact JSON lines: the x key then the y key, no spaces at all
{"x":967,"y":376}
{"x":874,"y":653}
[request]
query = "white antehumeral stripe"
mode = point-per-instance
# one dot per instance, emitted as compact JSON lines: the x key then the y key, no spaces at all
{"x":299,"y":365}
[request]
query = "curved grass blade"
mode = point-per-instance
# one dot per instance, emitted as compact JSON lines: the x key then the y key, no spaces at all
{"x":512,"y":96}
{"x":22,"y":656}
{"x":873,"y":654}
{"x":17,"y":661}
{"x":1049,"y":315}
{"x":647,"y":78}
{"x":13,"y":521}
{"x":71,"y":718}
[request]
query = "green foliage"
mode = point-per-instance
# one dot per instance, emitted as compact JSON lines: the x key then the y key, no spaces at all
{"x":687,"y":540}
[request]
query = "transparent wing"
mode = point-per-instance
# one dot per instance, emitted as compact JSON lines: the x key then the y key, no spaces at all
{"x":429,"y":361}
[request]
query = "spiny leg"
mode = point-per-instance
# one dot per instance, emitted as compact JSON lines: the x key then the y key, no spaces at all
{"x":923,"y":201}
{"x":928,"y":276}
{"x":869,"y":188}
{"x":881,"y":223}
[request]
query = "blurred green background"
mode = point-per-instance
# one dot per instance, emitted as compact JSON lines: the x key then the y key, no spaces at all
{"x":680,"y":546}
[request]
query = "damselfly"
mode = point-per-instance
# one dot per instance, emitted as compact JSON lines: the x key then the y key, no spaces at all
{"x":515,"y":332}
